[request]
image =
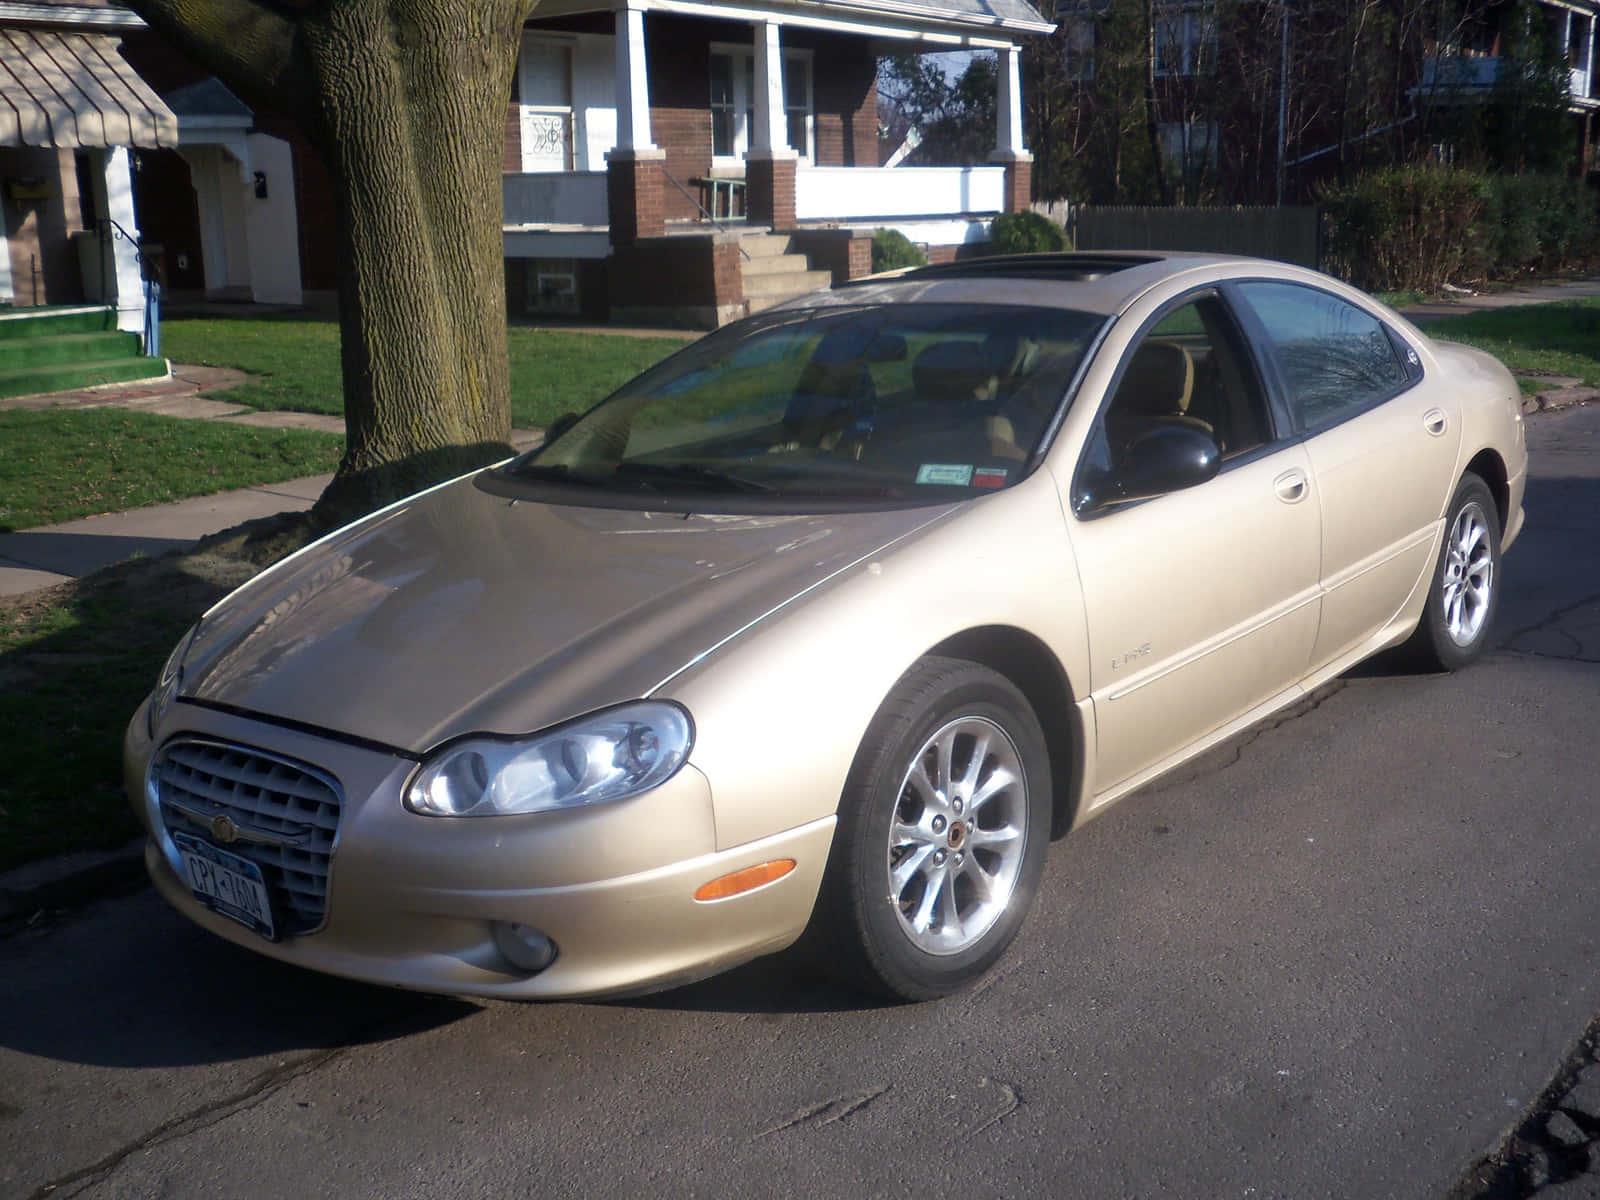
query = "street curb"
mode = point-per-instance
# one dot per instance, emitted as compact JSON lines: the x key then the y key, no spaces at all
{"x":70,"y":881}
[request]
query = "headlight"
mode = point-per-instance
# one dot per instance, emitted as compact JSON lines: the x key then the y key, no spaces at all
{"x":171,"y":679}
{"x":607,"y":756}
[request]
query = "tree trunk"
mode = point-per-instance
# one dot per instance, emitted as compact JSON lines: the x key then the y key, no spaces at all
{"x":405,"y":102}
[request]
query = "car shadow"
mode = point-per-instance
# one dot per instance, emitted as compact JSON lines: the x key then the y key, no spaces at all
{"x":130,"y":983}
{"x":785,"y":984}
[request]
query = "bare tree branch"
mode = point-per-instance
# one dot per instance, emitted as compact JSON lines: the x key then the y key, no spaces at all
{"x":252,"y":45}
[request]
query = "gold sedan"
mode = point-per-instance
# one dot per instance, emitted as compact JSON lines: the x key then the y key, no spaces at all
{"x":833,"y":619}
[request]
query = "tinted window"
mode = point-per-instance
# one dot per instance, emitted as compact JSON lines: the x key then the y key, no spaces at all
{"x":905,"y":402}
{"x":1190,"y":369}
{"x":1336,"y":358}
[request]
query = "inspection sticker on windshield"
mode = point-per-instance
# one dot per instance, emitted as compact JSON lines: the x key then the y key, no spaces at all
{"x":952,"y":473}
{"x":989,"y":477}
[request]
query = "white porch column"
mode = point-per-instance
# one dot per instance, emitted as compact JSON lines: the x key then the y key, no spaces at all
{"x":1008,"y":104}
{"x":772,"y":131}
{"x":129,"y":285}
{"x":633,"y":86}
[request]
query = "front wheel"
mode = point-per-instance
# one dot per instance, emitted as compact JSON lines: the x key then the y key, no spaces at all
{"x":1466,"y":582}
{"x":942,"y":833}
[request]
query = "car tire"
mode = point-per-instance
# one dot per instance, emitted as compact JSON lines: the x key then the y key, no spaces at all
{"x":943,"y":827}
{"x":1465,"y":590}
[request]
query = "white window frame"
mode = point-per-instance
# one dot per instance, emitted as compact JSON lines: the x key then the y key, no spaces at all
{"x":744,"y":103}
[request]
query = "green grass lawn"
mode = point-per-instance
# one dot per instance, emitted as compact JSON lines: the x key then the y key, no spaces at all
{"x":74,"y":663}
{"x":1558,"y":339}
{"x":60,"y":464}
{"x":297,"y":357}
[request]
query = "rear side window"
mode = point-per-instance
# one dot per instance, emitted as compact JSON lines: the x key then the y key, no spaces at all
{"x":1337,"y":359}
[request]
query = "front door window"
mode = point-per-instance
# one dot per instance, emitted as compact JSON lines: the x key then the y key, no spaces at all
{"x":544,"y":85}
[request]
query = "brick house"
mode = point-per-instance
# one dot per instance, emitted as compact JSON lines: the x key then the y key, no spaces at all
{"x":667,"y":161}
{"x":683,"y":162}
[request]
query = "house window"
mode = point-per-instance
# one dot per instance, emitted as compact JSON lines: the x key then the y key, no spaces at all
{"x":1078,"y":47}
{"x":733,"y":92}
{"x":1186,"y":41}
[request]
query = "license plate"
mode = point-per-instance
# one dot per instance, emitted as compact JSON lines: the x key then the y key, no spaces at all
{"x":227,"y":884}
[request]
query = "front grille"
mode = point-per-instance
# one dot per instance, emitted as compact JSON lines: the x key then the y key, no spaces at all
{"x":199,"y":781}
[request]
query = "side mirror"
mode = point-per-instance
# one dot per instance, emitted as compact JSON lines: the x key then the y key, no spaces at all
{"x":1165,"y":459}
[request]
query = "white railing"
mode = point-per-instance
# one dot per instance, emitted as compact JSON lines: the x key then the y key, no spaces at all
{"x":851,"y":193}
{"x":555,"y":198}
{"x":1578,"y":86}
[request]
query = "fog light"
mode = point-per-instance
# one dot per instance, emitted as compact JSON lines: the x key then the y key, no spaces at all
{"x":524,"y":946}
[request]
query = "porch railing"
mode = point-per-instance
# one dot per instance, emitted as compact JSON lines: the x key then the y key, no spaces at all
{"x":109,"y":231}
{"x":843,"y":193}
{"x":555,"y":198}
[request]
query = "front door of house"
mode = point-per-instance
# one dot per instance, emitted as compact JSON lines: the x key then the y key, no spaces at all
{"x":545,"y":86}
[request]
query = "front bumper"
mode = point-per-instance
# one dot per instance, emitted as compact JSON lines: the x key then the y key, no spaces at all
{"x":412,"y":901}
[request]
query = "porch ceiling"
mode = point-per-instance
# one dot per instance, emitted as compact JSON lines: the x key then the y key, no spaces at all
{"x":68,"y":89}
{"x":975,"y":22}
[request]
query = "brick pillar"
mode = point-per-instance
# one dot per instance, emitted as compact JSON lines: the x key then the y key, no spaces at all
{"x":635,"y":205}
{"x":769,"y":190}
{"x":1019,"y":179}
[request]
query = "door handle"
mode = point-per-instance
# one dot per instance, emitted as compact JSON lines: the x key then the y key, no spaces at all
{"x":1435,"y":421}
{"x":1291,"y":486}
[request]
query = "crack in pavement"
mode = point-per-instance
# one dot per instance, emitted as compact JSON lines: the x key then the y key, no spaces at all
{"x":259,"y":1089}
{"x":1013,"y":1101}
{"x":1552,"y":626}
{"x":1201,"y":767}
{"x":828,"y":1112}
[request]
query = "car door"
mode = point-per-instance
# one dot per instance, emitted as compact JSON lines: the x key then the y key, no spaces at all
{"x":1202,"y":603}
{"x":1383,"y":446}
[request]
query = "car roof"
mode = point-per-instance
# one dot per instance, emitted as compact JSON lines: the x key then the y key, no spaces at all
{"x":1103,"y":282}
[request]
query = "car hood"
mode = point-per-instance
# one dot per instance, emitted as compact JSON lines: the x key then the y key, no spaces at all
{"x":459,"y":611}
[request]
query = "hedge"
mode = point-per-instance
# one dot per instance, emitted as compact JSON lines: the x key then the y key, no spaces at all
{"x":1420,"y":227}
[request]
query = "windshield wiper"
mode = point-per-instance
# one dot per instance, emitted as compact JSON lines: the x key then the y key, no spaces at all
{"x":691,"y":475}
{"x":554,"y":473}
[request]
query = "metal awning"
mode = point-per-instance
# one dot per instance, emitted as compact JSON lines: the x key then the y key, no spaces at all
{"x":67,"y":89}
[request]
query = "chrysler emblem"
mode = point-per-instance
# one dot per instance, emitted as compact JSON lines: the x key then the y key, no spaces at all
{"x":224,"y":830}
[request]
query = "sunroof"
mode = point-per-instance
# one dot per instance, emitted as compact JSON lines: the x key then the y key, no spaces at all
{"x":1070,"y":266}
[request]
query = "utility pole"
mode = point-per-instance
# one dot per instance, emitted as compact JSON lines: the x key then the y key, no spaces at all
{"x":1283,"y":89}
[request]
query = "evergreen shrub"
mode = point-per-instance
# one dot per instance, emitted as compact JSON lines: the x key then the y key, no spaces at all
{"x":1416,"y":228}
{"x":1404,"y":228}
{"x":892,"y":249}
{"x":1025,"y":233}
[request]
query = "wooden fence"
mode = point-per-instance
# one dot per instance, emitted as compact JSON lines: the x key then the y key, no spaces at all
{"x":1287,"y":234}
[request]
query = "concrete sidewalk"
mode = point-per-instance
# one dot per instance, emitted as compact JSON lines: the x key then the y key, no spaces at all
{"x":51,"y":554}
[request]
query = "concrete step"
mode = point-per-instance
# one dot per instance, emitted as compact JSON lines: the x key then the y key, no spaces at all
{"x":764,"y":245}
{"x":772,"y":288}
{"x":30,"y":381}
{"x":66,"y":349}
{"x":773,"y":264}
{"x":47,"y":321}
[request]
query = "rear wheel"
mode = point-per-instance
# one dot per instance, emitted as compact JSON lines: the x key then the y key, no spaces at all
{"x":1466,"y":582}
{"x":942,"y":833}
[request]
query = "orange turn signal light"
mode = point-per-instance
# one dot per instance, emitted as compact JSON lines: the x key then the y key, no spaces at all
{"x":746,"y":880}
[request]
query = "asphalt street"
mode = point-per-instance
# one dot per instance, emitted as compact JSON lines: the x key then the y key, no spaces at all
{"x":1340,"y":956}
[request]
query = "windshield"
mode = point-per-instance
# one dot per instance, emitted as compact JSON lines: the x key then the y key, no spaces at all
{"x":912,"y":403}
